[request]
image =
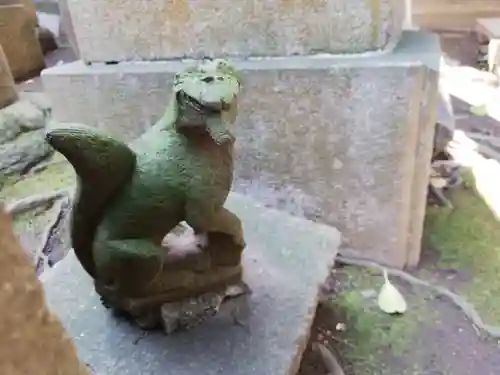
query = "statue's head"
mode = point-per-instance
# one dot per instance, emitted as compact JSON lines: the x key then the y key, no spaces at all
{"x":206,"y":96}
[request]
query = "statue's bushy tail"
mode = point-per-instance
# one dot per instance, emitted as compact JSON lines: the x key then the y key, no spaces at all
{"x":102,"y":165}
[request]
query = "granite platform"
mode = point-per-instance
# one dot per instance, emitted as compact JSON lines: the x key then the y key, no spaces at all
{"x":286,"y":261}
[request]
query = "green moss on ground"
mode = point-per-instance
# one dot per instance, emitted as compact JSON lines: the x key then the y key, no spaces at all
{"x":56,"y":176}
{"x":372,"y":338}
{"x":468,"y":238}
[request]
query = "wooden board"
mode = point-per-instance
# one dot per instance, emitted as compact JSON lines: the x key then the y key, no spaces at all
{"x":453,"y":14}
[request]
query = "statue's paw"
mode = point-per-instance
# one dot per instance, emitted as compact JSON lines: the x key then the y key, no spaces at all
{"x":105,"y":303}
{"x":201,"y":240}
{"x":240,"y":241}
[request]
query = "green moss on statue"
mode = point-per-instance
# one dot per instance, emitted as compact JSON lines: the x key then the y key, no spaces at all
{"x":130,"y":196}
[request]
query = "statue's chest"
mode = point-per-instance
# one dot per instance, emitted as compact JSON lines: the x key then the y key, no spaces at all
{"x":186,"y":162}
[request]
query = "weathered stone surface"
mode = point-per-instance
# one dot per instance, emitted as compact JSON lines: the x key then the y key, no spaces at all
{"x":130,"y":30}
{"x":20,"y":117}
{"x":8,"y":93}
{"x":32,"y":340}
{"x":335,"y":138}
{"x":286,"y":260}
{"x":19,"y":41}
{"x":22,"y":141}
{"x":66,"y":31}
{"x":27,"y":150}
{"x":445,"y":120}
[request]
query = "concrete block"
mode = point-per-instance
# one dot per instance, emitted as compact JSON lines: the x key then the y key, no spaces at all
{"x":284,"y":266}
{"x":19,"y":41}
{"x":119,"y":30}
{"x":346,"y":141}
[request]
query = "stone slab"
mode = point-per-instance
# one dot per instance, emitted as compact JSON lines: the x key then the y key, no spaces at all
{"x":286,"y":261}
{"x":343,"y":140}
{"x":119,"y":30}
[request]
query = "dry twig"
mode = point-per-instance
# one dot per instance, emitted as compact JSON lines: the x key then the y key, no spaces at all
{"x":30,"y":203}
{"x":44,"y":249}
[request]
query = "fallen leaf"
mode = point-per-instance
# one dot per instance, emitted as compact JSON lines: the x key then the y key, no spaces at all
{"x":479,"y":110}
{"x":390,"y":300}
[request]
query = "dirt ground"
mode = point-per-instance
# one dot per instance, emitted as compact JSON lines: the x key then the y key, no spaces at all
{"x":461,"y":252}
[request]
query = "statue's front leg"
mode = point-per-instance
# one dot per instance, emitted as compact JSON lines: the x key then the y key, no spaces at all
{"x":205,"y":218}
{"x":223,"y":229}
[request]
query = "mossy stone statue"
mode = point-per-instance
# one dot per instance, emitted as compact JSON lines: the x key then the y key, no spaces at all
{"x":130,"y":196}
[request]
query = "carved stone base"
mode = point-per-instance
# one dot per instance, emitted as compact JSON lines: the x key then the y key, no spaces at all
{"x":179,"y":287}
{"x":146,"y":311}
{"x":194,"y":311}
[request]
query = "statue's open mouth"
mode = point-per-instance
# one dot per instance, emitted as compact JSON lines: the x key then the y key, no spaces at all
{"x":214,"y":119}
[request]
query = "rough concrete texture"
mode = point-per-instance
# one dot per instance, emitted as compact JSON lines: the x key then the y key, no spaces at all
{"x":286,"y":261}
{"x":346,"y":141}
{"x":32,"y":339}
{"x":19,"y":41}
{"x":8,"y":92}
{"x":119,"y":30}
{"x":22,"y":135}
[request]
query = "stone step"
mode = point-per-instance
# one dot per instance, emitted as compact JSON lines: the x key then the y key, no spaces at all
{"x":286,"y":261}
{"x":158,"y":29}
{"x":344,"y":140}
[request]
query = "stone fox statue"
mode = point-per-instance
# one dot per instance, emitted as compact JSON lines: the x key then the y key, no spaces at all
{"x":129,"y":196}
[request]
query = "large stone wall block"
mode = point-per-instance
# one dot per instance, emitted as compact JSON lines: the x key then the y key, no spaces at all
{"x":119,"y":30}
{"x":345,"y":141}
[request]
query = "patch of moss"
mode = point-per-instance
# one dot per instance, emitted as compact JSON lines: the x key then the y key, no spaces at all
{"x":56,"y":176}
{"x":468,"y":238}
{"x":374,"y":338}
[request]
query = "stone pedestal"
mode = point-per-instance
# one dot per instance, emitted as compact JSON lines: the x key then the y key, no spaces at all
{"x":343,"y":140}
{"x":286,"y":261}
{"x":20,"y":42}
{"x":118,"y":30}
{"x":8,"y":93}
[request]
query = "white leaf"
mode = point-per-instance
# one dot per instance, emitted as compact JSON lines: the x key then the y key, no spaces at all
{"x":479,"y":110}
{"x":390,"y":300}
